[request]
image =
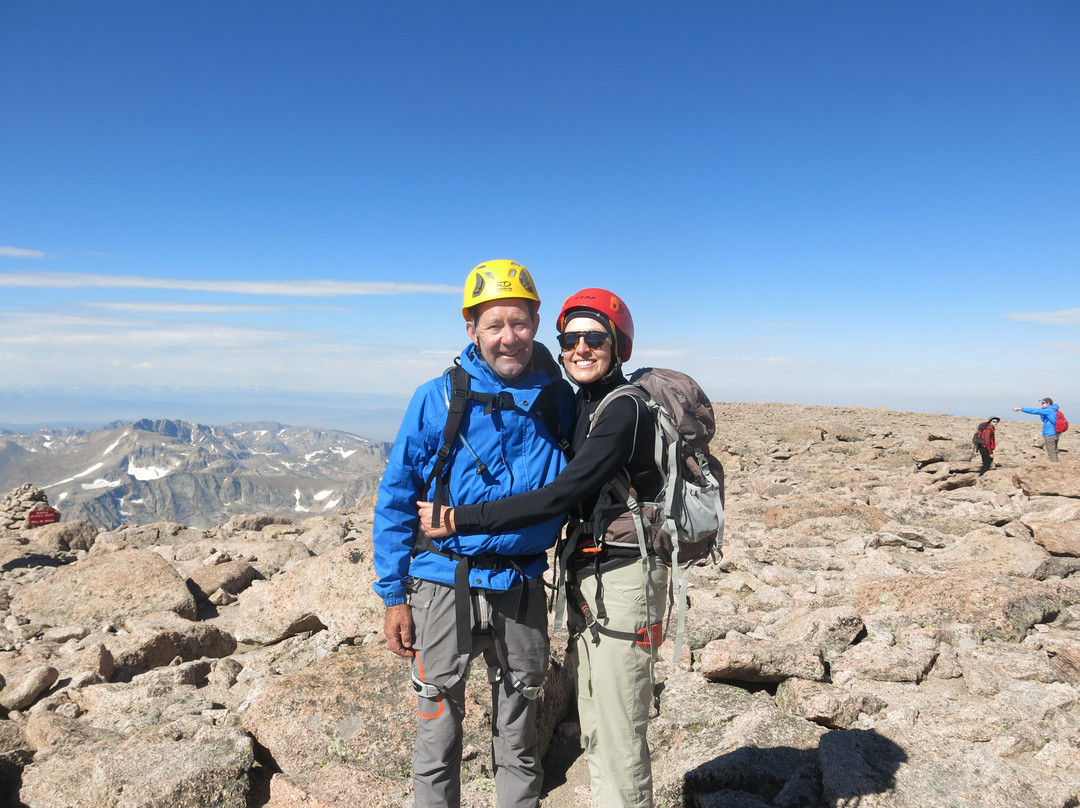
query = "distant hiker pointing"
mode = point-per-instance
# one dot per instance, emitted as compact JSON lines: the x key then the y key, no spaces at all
{"x":490,"y":427}
{"x":1053,"y":421}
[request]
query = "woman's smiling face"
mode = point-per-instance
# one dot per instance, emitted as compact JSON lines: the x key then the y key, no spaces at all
{"x":584,"y":364}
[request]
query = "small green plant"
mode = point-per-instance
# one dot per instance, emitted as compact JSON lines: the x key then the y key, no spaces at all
{"x":336,"y":747}
{"x":485,"y":785}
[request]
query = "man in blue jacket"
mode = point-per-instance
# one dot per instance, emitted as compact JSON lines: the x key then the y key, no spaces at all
{"x":473,"y":593}
{"x":1048,"y":412}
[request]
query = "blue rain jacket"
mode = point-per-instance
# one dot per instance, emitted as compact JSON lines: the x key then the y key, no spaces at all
{"x":1048,"y":415}
{"x":520,"y":454}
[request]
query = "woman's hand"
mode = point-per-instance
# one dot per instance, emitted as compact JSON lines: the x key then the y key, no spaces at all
{"x":446,"y":526}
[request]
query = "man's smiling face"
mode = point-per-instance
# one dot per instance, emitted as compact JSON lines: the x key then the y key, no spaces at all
{"x":503,"y":332}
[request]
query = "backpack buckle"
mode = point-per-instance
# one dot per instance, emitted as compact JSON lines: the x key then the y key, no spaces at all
{"x":424,"y":690}
{"x":650,"y":637}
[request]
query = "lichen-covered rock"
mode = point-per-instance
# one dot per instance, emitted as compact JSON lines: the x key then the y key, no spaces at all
{"x":105,"y":587}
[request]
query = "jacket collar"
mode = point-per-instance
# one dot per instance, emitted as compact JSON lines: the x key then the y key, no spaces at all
{"x":541,"y":370}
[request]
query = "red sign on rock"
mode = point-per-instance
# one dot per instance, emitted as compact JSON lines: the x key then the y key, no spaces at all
{"x":43,"y":516}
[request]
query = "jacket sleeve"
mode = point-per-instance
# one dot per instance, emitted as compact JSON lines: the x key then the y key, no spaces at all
{"x":604,"y":453}
{"x":402,"y":485}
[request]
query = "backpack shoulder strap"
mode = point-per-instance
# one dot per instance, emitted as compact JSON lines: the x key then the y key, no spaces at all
{"x":456,"y":398}
{"x":621,"y":390}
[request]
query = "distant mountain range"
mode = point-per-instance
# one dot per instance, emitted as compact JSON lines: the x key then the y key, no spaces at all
{"x":168,"y":470}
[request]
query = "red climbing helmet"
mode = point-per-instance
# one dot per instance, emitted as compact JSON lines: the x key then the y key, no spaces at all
{"x":611,"y":308}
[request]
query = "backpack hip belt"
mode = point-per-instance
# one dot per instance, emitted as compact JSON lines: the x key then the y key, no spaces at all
{"x":650,"y":636}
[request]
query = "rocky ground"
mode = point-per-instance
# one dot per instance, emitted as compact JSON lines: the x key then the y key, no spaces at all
{"x":885,"y":628}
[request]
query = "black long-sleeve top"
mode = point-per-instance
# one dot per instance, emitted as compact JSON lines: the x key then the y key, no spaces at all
{"x":623,"y":437}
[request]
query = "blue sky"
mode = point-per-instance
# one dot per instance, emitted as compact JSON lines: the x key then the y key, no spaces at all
{"x":236,"y":210}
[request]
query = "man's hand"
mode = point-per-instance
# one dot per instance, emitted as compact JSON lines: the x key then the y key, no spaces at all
{"x":399,"y":630}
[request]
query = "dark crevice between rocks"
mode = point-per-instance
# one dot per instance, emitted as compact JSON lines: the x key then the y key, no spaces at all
{"x":264,"y":769}
{"x":758,"y":687}
{"x":11,"y":780}
{"x":204,"y":609}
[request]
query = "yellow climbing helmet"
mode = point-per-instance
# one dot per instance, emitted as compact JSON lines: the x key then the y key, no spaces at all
{"x":496,"y":280}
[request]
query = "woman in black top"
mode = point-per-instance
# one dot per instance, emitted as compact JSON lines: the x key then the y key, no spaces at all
{"x":615,"y":596}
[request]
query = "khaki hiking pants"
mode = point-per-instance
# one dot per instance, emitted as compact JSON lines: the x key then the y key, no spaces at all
{"x":515,"y":743}
{"x":614,"y":681}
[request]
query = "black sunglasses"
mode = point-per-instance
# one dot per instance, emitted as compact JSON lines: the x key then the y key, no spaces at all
{"x":568,"y":340}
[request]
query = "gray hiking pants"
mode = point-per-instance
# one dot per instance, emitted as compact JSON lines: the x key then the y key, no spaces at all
{"x":1051,"y":444}
{"x":614,"y":684}
{"x":515,"y":743}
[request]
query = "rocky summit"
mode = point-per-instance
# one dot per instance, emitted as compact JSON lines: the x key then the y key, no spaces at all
{"x":885,"y":628}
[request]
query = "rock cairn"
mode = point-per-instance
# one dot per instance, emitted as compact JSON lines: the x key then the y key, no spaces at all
{"x":16,"y":506}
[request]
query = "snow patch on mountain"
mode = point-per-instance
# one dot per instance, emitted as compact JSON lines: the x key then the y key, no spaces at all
{"x":116,"y":443}
{"x":147,"y":472}
{"x":74,"y":477}
{"x":299,"y":508}
{"x":101,"y":483}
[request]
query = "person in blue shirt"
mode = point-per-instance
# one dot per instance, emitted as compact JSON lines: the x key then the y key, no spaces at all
{"x":1048,"y":411}
{"x":476,"y":593}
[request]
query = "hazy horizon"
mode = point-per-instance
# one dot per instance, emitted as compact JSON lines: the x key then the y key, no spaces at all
{"x":373,"y":416}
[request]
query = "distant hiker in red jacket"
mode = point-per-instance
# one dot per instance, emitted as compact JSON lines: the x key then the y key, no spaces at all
{"x":985,"y":443}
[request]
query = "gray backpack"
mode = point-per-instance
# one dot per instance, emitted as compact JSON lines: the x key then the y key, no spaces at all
{"x":685,"y":523}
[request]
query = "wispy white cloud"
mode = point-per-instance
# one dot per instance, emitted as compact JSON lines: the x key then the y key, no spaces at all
{"x":1062,"y":348}
{"x":659,"y":353}
{"x":1062,"y":317}
{"x":287,"y":288}
{"x":61,"y":332}
{"x":723,"y":344}
{"x":18,"y":252}
{"x":770,"y":360}
{"x":115,"y":350}
{"x":205,"y":308}
{"x":1005,"y":351}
